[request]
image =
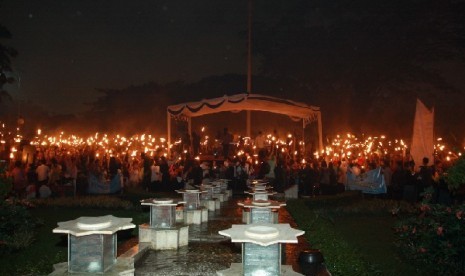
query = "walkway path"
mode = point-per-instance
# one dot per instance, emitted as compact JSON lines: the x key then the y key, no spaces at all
{"x":208,"y":251}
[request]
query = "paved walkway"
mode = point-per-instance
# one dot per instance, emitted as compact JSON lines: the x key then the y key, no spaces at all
{"x":208,"y":251}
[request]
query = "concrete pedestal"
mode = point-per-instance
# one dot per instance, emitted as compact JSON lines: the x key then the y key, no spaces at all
{"x":236,"y":269}
{"x":209,"y":204}
{"x":221,"y":197}
{"x":159,"y":239}
{"x":179,"y":215}
{"x":204,"y":214}
{"x":193,"y":216}
{"x":246,"y":216}
{"x":124,"y":265}
{"x":247,"y":219}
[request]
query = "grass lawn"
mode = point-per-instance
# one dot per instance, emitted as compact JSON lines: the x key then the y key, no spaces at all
{"x":50,"y":248}
{"x":373,"y":237}
{"x":354,"y":234}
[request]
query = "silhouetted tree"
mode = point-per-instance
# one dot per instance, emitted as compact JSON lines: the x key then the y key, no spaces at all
{"x":6,"y":54}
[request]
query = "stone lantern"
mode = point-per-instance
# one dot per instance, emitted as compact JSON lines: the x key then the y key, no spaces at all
{"x":163,"y":232}
{"x":257,"y":211}
{"x":194,"y":213}
{"x":92,"y":242}
{"x":261,"y":248}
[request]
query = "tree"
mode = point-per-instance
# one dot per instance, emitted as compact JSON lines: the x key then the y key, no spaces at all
{"x":6,"y":54}
{"x":130,"y":110}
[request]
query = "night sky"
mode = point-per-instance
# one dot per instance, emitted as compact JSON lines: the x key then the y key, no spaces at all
{"x":356,"y":59}
{"x":69,"y":48}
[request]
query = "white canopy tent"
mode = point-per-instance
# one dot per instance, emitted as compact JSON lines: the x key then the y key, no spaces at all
{"x":254,"y":102}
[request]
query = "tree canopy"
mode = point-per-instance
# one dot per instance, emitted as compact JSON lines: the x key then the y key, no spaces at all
{"x":6,"y":54}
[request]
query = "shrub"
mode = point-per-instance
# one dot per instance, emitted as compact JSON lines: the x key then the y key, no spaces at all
{"x":434,"y":236}
{"x":375,"y":207}
{"x":17,"y":227}
{"x":6,"y":182}
{"x":107,"y":202}
{"x":455,"y":176}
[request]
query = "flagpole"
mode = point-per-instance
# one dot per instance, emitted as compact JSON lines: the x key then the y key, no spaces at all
{"x":249,"y":65}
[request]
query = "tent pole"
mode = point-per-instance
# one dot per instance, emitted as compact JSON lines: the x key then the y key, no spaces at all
{"x":320,"y":132}
{"x":168,"y":130}
{"x":249,"y":65}
{"x":189,"y":129}
{"x":303,"y":136}
{"x":248,"y":124}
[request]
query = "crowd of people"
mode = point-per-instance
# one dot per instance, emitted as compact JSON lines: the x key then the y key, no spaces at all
{"x":52,"y":171}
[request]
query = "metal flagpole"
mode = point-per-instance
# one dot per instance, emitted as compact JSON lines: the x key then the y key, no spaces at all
{"x":249,"y":67}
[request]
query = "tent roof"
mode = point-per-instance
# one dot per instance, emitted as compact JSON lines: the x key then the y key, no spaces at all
{"x":238,"y":102}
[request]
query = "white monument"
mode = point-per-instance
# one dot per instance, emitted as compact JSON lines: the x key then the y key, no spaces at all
{"x":163,"y":232}
{"x":261,"y":248}
{"x":92,"y":246}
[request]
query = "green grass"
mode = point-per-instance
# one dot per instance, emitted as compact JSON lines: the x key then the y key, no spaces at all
{"x":354,"y":233}
{"x":374,"y":239}
{"x":50,"y":248}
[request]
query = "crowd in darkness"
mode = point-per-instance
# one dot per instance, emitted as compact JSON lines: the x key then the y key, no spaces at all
{"x":52,"y":170}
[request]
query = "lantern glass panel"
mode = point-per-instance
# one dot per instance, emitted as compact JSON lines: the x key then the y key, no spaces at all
{"x":260,"y":196}
{"x":192,"y":200}
{"x":163,"y":216}
{"x":91,"y":253}
{"x":261,"y":215}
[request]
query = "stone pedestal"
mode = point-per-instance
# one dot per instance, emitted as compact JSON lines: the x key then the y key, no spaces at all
{"x":204,"y":214}
{"x":208,"y":191}
{"x":179,"y":215}
{"x":261,"y":248}
{"x":92,"y":242}
{"x":163,"y":232}
{"x":191,"y":198}
{"x":260,"y":194}
{"x":193,"y":216}
{"x":160,"y":239}
{"x":236,"y":269}
{"x":209,"y":204}
{"x":260,"y":211}
{"x":164,"y":213}
{"x":220,"y":197}
{"x":247,"y":217}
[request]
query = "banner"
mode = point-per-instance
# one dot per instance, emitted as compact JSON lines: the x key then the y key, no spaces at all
{"x":423,"y":140}
{"x":100,"y":186}
{"x":371,"y":182}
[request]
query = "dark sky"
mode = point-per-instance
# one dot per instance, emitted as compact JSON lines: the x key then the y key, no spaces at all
{"x":69,"y":48}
